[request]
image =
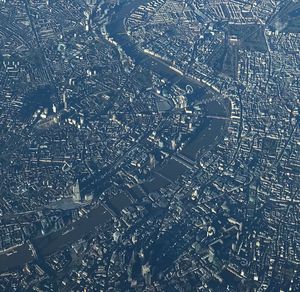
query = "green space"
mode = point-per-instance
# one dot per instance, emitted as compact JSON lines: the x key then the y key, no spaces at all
{"x":288,"y":18}
{"x":250,"y":36}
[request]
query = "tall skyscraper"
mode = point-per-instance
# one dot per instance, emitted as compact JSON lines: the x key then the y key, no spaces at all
{"x":76,"y":192}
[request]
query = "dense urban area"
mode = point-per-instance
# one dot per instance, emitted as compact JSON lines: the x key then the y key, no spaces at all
{"x":149,"y":145}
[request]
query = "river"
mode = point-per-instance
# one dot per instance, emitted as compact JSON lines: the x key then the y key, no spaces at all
{"x":205,"y":138}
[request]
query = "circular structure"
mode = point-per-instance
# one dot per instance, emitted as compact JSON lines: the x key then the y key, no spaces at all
{"x":189,"y":89}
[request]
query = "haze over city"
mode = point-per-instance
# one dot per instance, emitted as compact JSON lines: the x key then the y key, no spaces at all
{"x":149,"y":145}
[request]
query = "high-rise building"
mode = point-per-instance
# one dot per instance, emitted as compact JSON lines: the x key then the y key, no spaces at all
{"x":76,"y":192}
{"x":65,"y":101}
{"x":91,"y":2}
{"x":152,"y":161}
